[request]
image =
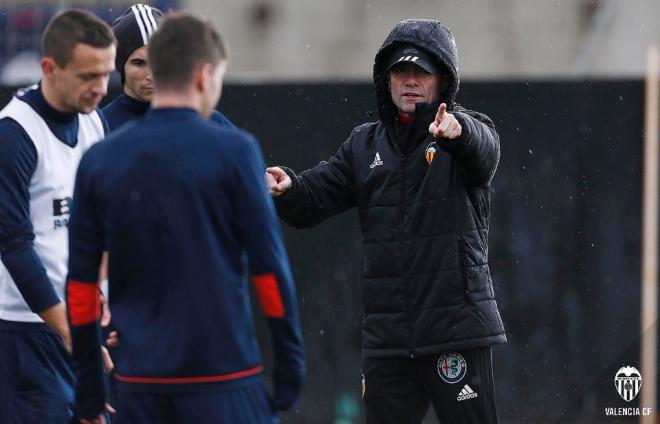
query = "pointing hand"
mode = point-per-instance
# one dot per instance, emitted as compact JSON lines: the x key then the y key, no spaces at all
{"x":445,"y":125}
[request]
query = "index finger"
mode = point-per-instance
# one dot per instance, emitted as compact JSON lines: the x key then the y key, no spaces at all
{"x":441,"y":112}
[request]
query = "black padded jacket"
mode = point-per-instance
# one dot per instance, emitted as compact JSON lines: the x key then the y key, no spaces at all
{"x":424,"y":208}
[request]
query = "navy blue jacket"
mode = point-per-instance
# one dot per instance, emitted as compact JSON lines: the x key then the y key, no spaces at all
{"x":125,"y":108}
{"x":181,"y":206}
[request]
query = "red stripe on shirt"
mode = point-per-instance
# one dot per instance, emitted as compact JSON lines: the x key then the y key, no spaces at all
{"x":83,"y":302}
{"x":184,"y":380}
{"x":269,"y":295}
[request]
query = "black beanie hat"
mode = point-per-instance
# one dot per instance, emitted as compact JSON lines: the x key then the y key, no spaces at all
{"x":132,"y":30}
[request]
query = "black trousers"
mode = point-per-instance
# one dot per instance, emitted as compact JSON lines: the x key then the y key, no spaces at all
{"x":459,"y":385}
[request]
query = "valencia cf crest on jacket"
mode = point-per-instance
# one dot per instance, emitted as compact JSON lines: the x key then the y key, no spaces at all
{"x":430,"y":151}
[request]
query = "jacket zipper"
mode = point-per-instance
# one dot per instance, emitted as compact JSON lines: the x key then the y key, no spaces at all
{"x":461,"y":269}
{"x":404,"y":255}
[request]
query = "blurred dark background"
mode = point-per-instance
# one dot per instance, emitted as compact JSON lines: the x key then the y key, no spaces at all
{"x":564,"y":241}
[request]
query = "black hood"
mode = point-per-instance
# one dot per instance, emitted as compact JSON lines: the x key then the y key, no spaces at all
{"x":428,"y":35}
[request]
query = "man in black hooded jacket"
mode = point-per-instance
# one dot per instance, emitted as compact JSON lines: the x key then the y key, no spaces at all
{"x":420,"y":179}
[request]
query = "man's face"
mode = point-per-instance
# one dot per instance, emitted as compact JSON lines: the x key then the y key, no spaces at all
{"x":138,"y":81}
{"x":80,"y":85}
{"x":410,"y":84}
{"x":213,"y":89}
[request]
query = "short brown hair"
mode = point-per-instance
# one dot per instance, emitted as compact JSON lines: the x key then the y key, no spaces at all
{"x":72,"y":27}
{"x":181,"y":43}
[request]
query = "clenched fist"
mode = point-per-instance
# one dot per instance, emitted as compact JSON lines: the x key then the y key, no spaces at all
{"x":277,"y":181}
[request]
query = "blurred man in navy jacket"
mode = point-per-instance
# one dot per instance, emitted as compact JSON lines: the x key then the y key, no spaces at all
{"x":181,"y":207}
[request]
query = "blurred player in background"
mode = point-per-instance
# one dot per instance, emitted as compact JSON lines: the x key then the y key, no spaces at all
{"x":420,"y":178}
{"x":44,"y":132}
{"x":181,"y":206}
{"x":133,"y":30}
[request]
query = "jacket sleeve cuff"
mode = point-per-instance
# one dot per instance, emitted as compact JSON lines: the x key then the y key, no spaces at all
{"x":288,"y":198}
{"x":88,"y":369}
{"x":458,"y":146}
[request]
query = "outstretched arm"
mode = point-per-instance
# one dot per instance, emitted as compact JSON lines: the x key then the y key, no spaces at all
{"x":471,"y":138}
{"x":306,"y":199}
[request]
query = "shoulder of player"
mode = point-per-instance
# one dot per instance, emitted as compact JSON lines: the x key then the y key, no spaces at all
{"x":362,"y":132}
{"x":13,"y":136}
{"x":108,"y":113}
{"x":95,"y":150}
{"x":481,"y":117}
{"x":8,"y":126}
{"x":110,"y":106}
{"x":112,"y":139}
{"x":220,"y":118}
{"x":364,"y":128}
{"x":104,"y":120}
{"x":229,"y":137}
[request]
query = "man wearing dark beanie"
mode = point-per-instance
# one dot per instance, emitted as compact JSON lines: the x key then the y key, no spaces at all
{"x":133,"y":30}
